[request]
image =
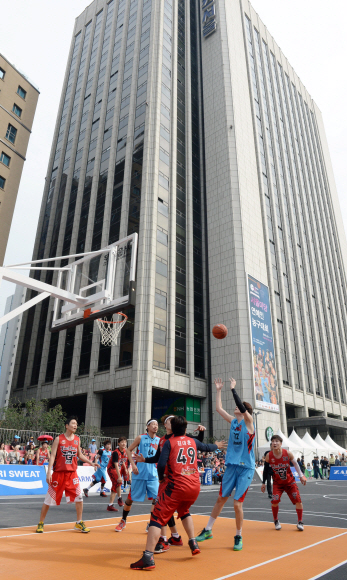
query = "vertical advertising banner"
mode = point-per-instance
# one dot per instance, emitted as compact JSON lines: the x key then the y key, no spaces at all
{"x":263,"y":351}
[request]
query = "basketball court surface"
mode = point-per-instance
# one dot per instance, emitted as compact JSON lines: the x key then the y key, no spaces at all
{"x":318,"y":552}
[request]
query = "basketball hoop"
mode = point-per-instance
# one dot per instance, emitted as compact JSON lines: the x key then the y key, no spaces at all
{"x":110,"y":329}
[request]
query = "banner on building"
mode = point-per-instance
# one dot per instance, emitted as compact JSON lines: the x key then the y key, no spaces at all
{"x":22,"y":480}
{"x":263,"y":351}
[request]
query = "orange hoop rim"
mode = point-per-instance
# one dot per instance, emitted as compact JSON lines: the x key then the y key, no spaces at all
{"x":114,"y":321}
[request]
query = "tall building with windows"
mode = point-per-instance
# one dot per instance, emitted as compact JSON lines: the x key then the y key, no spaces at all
{"x":18,"y":101}
{"x":182,"y":120}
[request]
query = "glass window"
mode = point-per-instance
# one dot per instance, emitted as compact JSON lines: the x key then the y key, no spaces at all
{"x":160,"y":301}
{"x":2,"y":73}
{"x":5,"y":159}
{"x":11,"y":133}
{"x":161,"y":268}
{"x":162,"y":238}
{"x":21,"y":92}
{"x":2,"y":182}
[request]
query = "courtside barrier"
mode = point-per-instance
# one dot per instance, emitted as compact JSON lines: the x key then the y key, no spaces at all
{"x":85,"y":476}
{"x":22,"y":480}
{"x":338,"y":472}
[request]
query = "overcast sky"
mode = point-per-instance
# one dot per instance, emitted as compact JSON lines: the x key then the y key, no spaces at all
{"x":36,"y":35}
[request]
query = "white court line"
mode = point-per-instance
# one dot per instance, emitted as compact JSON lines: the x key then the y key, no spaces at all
{"x":69,"y":530}
{"x":66,"y":523}
{"x":279,"y":557}
{"x":330,"y":570}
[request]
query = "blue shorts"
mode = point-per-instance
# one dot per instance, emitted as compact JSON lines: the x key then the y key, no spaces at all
{"x":139,"y":488}
{"x":100,"y":475}
{"x":238,"y":478}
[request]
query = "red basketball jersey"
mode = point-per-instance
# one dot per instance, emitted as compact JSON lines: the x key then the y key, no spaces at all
{"x":43,"y":456}
{"x":162,"y":442}
{"x":66,"y":457}
{"x":281,"y":467}
{"x":182,"y":467}
{"x":122,"y":459}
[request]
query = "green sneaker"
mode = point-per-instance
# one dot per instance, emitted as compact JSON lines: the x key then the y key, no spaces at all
{"x":204,"y":535}
{"x":237,"y":543}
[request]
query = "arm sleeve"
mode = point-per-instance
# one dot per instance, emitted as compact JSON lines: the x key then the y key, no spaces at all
{"x":266,"y":471}
{"x":205,"y":446}
{"x":115,"y":457}
{"x":200,"y":436}
{"x":164,"y":457}
{"x":238,"y":402}
{"x":154,"y":458}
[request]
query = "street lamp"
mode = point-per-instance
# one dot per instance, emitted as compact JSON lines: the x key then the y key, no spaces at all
{"x":256,"y":413}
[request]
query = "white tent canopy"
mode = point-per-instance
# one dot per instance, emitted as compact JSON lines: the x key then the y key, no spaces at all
{"x":334,"y":445}
{"x":313,"y":444}
{"x":298,"y":442}
{"x":322,"y":445}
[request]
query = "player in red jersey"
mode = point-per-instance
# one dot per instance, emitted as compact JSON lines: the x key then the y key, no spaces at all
{"x":178,"y":491}
{"x":118,"y":467}
{"x":65,"y":451}
{"x":42,"y":454}
{"x":283,"y":479}
{"x":164,"y":544}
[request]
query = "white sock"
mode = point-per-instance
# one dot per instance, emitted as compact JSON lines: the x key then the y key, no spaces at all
{"x":210,"y":523}
{"x":78,"y":522}
{"x":91,"y":485}
{"x":239,"y":532}
{"x":110,"y":504}
{"x":164,"y":538}
{"x":175,"y":535}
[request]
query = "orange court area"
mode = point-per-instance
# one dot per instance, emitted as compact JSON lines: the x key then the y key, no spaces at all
{"x":106,"y":555}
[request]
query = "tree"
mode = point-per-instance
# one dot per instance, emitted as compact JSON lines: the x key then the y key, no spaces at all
{"x":33,"y":416}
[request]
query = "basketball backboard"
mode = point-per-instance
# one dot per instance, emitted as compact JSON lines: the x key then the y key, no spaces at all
{"x":106,"y":279}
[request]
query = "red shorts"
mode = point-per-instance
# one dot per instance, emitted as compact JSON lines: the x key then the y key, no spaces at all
{"x":112,"y":473}
{"x":291,"y":490}
{"x":171,"y":499}
{"x":63,"y":481}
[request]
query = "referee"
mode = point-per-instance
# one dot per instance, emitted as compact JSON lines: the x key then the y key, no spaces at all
{"x":269,"y":474}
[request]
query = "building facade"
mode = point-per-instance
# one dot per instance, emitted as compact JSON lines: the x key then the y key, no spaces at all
{"x":183,"y":121}
{"x":18,"y":101}
{"x":8,"y":345}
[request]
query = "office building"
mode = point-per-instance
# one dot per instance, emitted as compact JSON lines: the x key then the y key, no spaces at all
{"x":183,"y":121}
{"x":8,"y":345}
{"x":18,"y":100}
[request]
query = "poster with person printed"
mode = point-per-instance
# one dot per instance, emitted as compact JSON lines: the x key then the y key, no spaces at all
{"x":263,"y":352}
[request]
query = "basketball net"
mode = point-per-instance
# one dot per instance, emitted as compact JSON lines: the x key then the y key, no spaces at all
{"x":110,"y":329}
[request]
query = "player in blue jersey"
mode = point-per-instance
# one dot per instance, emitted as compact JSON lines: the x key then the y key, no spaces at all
{"x":145,"y":476}
{"x":100,"y":475}
{"x":239,"y":461}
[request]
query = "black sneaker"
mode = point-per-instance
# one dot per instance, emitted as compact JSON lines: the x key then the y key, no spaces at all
{"x":144,"y":563}
{"x":161,"y":546}
{"x":194,"y":547}
{"x":85,"y":491}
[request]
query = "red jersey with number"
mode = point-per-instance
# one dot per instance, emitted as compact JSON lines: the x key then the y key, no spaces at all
{"x":43,"y":456}
{"x":66,"y":457}
{"x":121,"y":457}
{"x":281,"y":468}
{"x":182,"y":467}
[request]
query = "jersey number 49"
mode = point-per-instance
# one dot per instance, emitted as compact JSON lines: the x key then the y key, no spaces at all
{"x":181,"y":458}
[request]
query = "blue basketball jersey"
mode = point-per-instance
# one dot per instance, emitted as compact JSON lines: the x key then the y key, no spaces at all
{"x":105,"y":458}
{"x":148,"y":447}
{"x":240,"y":449}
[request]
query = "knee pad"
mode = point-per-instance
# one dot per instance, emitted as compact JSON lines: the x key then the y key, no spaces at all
{"x":128,"y":502}
{"x":171,"y":522}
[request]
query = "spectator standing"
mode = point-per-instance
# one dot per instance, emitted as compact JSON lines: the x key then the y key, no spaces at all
{"x":325,"y":466}
{"x":337,"y":461}
{"x":13,"y":455}
{"x":316,"y":472}
{"x":343,"y":460}
{"x":331,"y":459}
{"x":3,"y":454}
{"x":92,"y":447}
{"x":309,"y":470}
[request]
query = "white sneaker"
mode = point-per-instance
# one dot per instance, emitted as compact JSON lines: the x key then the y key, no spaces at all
{"x":278,"y":525}
{"x":300,"y":526}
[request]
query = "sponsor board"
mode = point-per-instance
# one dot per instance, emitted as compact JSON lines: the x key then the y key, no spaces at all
{"x":85,"y":474}
{"x":22,"y":480}
{"x":338,"y":472}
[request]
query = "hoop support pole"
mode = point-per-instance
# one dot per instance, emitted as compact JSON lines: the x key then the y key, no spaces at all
{"x":23,"y":307}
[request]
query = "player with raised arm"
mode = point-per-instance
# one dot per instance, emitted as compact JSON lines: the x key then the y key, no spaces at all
{"x":65,"y":451}
{"x":283,"y":479}
{"x":103,"y":457}
{"x":178,"y":491}
{"x":117,"y":469}
{"x":163,"y":543}
{"x":145,"y":476}
{"x":239,"y":462}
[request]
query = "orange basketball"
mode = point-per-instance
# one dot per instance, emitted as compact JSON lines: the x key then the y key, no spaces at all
{"x":219,"y":331}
